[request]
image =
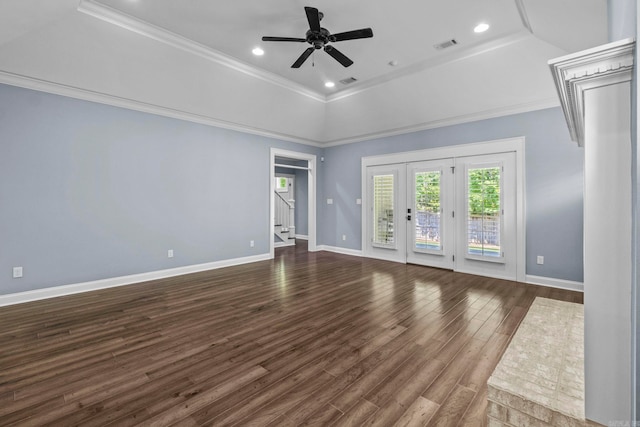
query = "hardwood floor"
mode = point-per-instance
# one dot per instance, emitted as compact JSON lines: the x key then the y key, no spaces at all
{"x":305,"y":339}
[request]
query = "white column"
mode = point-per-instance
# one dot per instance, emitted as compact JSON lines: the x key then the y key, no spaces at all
{"x":607,"y":253}
{"x":595,"y":92}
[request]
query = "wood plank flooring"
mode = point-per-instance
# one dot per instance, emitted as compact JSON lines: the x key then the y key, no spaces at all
{"x":305,"y":339}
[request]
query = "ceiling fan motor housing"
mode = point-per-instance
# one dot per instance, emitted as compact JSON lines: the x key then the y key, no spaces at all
{"x":318,"y":38}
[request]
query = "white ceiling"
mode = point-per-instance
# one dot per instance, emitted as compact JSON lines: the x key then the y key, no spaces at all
{"x":404,"y":30}
{"x":192,"y":60}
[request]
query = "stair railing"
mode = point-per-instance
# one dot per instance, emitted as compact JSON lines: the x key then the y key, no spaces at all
{"x":284,"y":214}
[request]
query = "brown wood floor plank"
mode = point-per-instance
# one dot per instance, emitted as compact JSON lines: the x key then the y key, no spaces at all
{"x":418,"y":414}
{"x":452,"y":410}
{"x":476,"y":415}
{"x":305,"y":339}
{"x":359,"y":412}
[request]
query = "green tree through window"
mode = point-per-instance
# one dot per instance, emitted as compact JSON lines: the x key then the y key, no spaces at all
{"x":484,"y":216}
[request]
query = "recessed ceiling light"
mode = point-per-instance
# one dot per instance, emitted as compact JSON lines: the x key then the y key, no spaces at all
{"x":329,"y":84}
{"x":481,"y":28}
{"x":257,"y":51}
{"x":393,"y":63}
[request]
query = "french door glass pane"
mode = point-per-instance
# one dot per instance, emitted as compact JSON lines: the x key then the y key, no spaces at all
{"x":484,"y":217}
{"x":427,"y":215}
{"x":383,"y":210}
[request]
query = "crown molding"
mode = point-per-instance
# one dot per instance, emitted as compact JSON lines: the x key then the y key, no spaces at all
{"x":457,"y":120}
{"x":116,"y":17}
{"x":116,"y":101}
{"x":577,"y":73}
{"x":524,"y":16}
{"x":32,"y":83}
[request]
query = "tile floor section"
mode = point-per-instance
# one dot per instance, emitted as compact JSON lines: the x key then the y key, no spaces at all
{"x":540,"y":378}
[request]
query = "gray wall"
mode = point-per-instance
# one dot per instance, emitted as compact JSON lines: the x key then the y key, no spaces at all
{"x":90,"y":191}
{"x":554,"y":180}
{"x":621,"y":16}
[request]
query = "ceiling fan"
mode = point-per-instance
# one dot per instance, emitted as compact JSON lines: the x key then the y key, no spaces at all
{"x":319,"y":38}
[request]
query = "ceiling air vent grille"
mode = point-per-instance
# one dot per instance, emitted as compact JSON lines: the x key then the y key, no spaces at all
{"x":348,"y":80}
{"x":445,"y":44}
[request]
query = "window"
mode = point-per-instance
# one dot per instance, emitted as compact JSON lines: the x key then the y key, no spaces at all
{"x":484,"y":213}
{"x":282,"y":184}
{"x":383,"y":210}
{"x":428,"y":211}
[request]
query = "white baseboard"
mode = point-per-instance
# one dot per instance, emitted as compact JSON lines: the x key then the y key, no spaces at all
{"x":76,"y":288}
{"x":339,"y":250}
{"x":555,"y":283}
{"x":302,"y":237}
{"x":283,"y":244}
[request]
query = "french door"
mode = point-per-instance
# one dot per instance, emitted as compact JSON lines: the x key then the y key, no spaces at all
{"x":454,"y":213}
{"x":430,"y":225}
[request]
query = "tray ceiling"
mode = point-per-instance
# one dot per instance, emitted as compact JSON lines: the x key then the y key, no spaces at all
{"x":405,"y":32}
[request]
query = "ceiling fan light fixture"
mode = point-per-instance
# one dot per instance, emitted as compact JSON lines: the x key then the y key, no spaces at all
{"x":481,"y":27}
{"x":319,"y":38}
{"x":257,"y":51}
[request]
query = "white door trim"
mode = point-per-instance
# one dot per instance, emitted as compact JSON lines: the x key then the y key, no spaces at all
{"x":480,"y":148}
{"x":311,"y":208}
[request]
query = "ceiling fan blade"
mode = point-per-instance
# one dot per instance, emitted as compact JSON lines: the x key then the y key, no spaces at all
{"x":338,"y":56}
{"x":352,"y":35}
{"x":313,"y":16}
{"x":303,"y":58}
{"x":282,"y":39}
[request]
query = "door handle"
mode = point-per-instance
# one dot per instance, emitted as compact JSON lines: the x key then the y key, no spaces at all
{"x":408,"y":217}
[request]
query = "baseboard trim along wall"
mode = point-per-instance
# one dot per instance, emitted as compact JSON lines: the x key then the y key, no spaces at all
{"x":339,"y":250}
{"x":555,"y":283}
{"x":530,"y":279}
{"x":76,"y":288}
{"x":283,"y":244}
{"x":302,"y":237}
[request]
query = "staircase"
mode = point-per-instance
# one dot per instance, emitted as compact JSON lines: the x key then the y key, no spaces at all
{"x":284,"y":225}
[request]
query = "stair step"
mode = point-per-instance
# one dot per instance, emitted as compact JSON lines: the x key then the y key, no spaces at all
{"x":292,"y":238}
{"x":277,"y":225}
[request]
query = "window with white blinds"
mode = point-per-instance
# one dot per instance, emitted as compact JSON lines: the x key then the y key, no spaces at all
{"x":427,"y":211}
{"x":484,"y":211}
{"x":383,"y":210}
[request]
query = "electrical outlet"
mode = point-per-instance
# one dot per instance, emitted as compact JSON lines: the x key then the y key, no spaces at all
{"x":540,"y":260}
{"x":358,"y":201}
{"x":344,"y":237}
{"x":329,"y":201}
{"x":17,"y":272}
{"x":252,"y":243}
{"x":170,"y":253}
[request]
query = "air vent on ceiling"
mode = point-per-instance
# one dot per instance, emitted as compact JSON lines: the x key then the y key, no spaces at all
{"x":348,"y":81}
{"x":445,"y":44}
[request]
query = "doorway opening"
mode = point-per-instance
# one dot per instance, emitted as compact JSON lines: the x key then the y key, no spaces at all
{"x":291,"y":215}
